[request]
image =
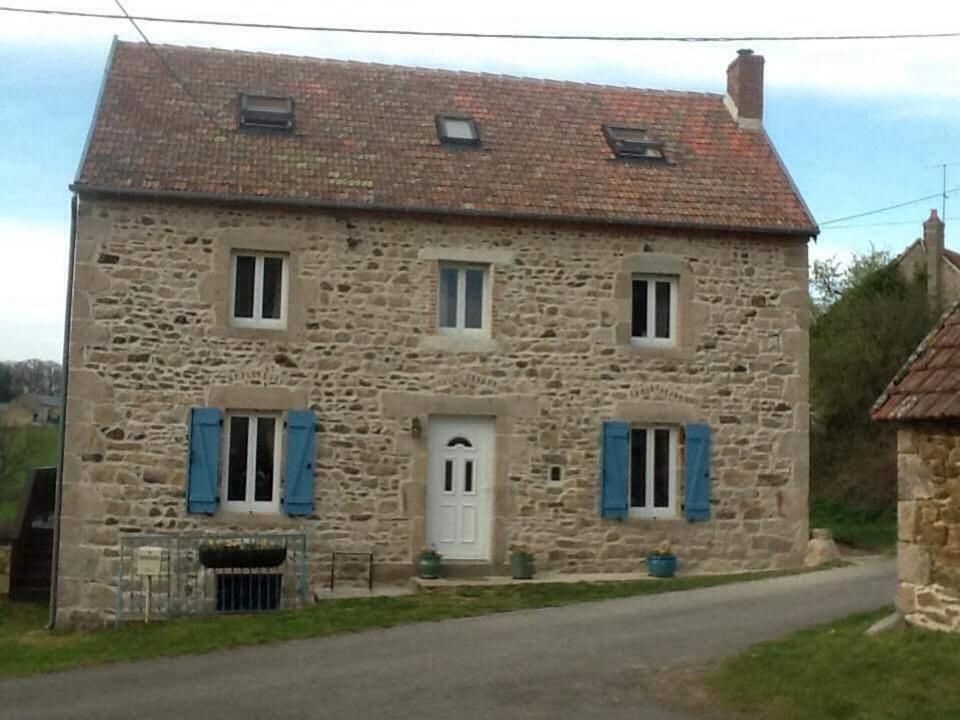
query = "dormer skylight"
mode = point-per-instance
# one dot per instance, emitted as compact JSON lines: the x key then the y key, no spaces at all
{"x":266,"y":112}
{"x":457,"y":130}
{"x":633,"y":143}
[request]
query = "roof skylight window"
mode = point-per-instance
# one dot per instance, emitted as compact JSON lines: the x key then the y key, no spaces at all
{"x":266,"y":112}
{"x":634,"y":143}
{"x":458,"y":130}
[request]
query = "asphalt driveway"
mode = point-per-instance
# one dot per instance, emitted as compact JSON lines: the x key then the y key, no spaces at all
{"x":579,"y":661}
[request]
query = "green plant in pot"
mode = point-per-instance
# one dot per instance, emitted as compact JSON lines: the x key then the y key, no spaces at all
{"x":428,"y":564}
{"x":521,"y":563}
{"x":662,"y":562}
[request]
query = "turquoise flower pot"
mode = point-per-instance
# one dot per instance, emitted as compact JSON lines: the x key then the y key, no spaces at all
{"x":662,"y":566}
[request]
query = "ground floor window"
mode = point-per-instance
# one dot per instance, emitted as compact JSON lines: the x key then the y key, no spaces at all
{"x":251,"y":476}
{"x":653,"y":471}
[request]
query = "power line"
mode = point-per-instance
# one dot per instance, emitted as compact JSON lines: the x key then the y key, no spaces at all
{"x":491,"y":36}
{"x":879,"y":224}
{"x":170,"y":71}
{"x":889,"y":207}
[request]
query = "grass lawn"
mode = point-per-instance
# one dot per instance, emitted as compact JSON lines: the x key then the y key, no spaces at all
{"x":43,"y":442}
{"x":25,"y":647}
{"x":854,"y":527}
{"x":834,"y":671}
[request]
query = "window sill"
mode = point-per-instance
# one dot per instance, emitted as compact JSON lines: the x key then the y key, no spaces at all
{"x":666,"y":352}
{"x":457,"y":343}
{"x":255,"y":325}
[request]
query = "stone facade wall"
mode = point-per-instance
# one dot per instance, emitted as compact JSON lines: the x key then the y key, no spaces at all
{"x":150,"y":340}
{"x":929,"y":525}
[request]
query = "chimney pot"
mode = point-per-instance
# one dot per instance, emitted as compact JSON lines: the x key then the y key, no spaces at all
{"x":744,"y":97}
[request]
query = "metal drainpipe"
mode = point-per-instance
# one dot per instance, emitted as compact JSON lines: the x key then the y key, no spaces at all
{"x":55,"y":560}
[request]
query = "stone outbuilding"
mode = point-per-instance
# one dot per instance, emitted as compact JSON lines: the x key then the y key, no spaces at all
{"x":395,"y":308}
{"x":924,"y":400}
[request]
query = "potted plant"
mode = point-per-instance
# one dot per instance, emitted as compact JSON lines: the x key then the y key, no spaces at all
{"x":235,"y":554}
{"x":428,"y":564}
{"x":662,"y":562}
{"x":521,"y":563}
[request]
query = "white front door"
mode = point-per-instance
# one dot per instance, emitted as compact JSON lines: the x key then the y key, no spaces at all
{"x":460,"y":487}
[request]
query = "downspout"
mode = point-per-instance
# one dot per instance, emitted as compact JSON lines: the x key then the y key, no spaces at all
{"x":55,"y":560}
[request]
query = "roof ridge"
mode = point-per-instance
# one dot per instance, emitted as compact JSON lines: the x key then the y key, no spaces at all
{"x":432,"y":70}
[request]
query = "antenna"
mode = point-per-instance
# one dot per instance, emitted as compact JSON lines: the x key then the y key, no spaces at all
{"x":943,"y":187}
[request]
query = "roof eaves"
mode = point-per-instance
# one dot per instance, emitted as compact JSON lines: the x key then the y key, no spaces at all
{"x":96,"y":108}
{"x":231,"y":198}
{"x":793,"y":185}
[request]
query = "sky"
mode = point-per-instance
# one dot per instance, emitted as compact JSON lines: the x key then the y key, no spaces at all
{"x":860,"y":125}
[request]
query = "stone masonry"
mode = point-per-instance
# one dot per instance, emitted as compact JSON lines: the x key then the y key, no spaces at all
{"x":929,"y":525}
{"x":150,"y":339}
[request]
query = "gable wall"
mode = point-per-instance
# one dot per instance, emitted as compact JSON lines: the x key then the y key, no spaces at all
{"x":150,"y":340}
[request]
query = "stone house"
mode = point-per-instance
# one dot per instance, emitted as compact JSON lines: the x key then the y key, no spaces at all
{"x":398,"y":308}
{"x":924,"y":399}
{"x":927,"y":255}
{"x":32,"y":409}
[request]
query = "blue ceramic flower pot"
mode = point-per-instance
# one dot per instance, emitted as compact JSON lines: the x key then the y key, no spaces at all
{"x":662,"y":566}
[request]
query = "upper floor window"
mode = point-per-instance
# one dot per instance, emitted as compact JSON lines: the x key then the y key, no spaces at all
{"x":458,"y":129}
{"x":653,"y":469}
{"x":266,"y":112}
{"x":251,"y":478}
{"x":258,"y":290}
{"x":462,"y":301}
{"x":654,"y":310}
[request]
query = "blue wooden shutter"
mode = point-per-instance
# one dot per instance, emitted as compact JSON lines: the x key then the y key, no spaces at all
{"x":615,"y":470}
{"x":696,"y":500}
{"x":203,"y":464}
{"x":301,"y":448}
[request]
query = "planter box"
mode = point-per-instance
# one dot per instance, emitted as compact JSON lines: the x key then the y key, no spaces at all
{"x":248,"y":592}
{"x":218,"y":557}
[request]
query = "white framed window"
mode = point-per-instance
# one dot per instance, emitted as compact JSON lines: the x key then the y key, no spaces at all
{"x":654,"y":310}
{"x":653,"y":471}
{"x":463,"y":299}
{"x":258,"y":289}
{"x":251,"y":462}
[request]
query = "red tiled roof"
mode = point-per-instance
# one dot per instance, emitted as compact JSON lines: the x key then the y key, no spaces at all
{"x":365,"y":137}
{"x":928,"y":387}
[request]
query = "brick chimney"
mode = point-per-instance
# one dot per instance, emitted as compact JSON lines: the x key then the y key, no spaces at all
{"x":933,"y":247}
{"x":744,"y":97}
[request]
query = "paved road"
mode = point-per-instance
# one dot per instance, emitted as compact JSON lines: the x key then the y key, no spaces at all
{"x":579,"y":661}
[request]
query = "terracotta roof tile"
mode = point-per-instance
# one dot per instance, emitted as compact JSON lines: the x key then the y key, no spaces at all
{"x":928,"y":386}
{"x":365,"y":136}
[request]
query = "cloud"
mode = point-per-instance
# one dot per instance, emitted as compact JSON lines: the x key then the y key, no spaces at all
{"x":33,"y":281}
{"x":923,"y":67}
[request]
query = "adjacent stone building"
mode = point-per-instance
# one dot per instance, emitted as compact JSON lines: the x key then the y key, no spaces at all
{"x":924,"y":400}
{"x":928,"y":256}
{"x":397,"y":308}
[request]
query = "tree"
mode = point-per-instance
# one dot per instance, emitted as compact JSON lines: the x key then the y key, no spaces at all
{"x":867,"y":319}
{"x":6,"y":384}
